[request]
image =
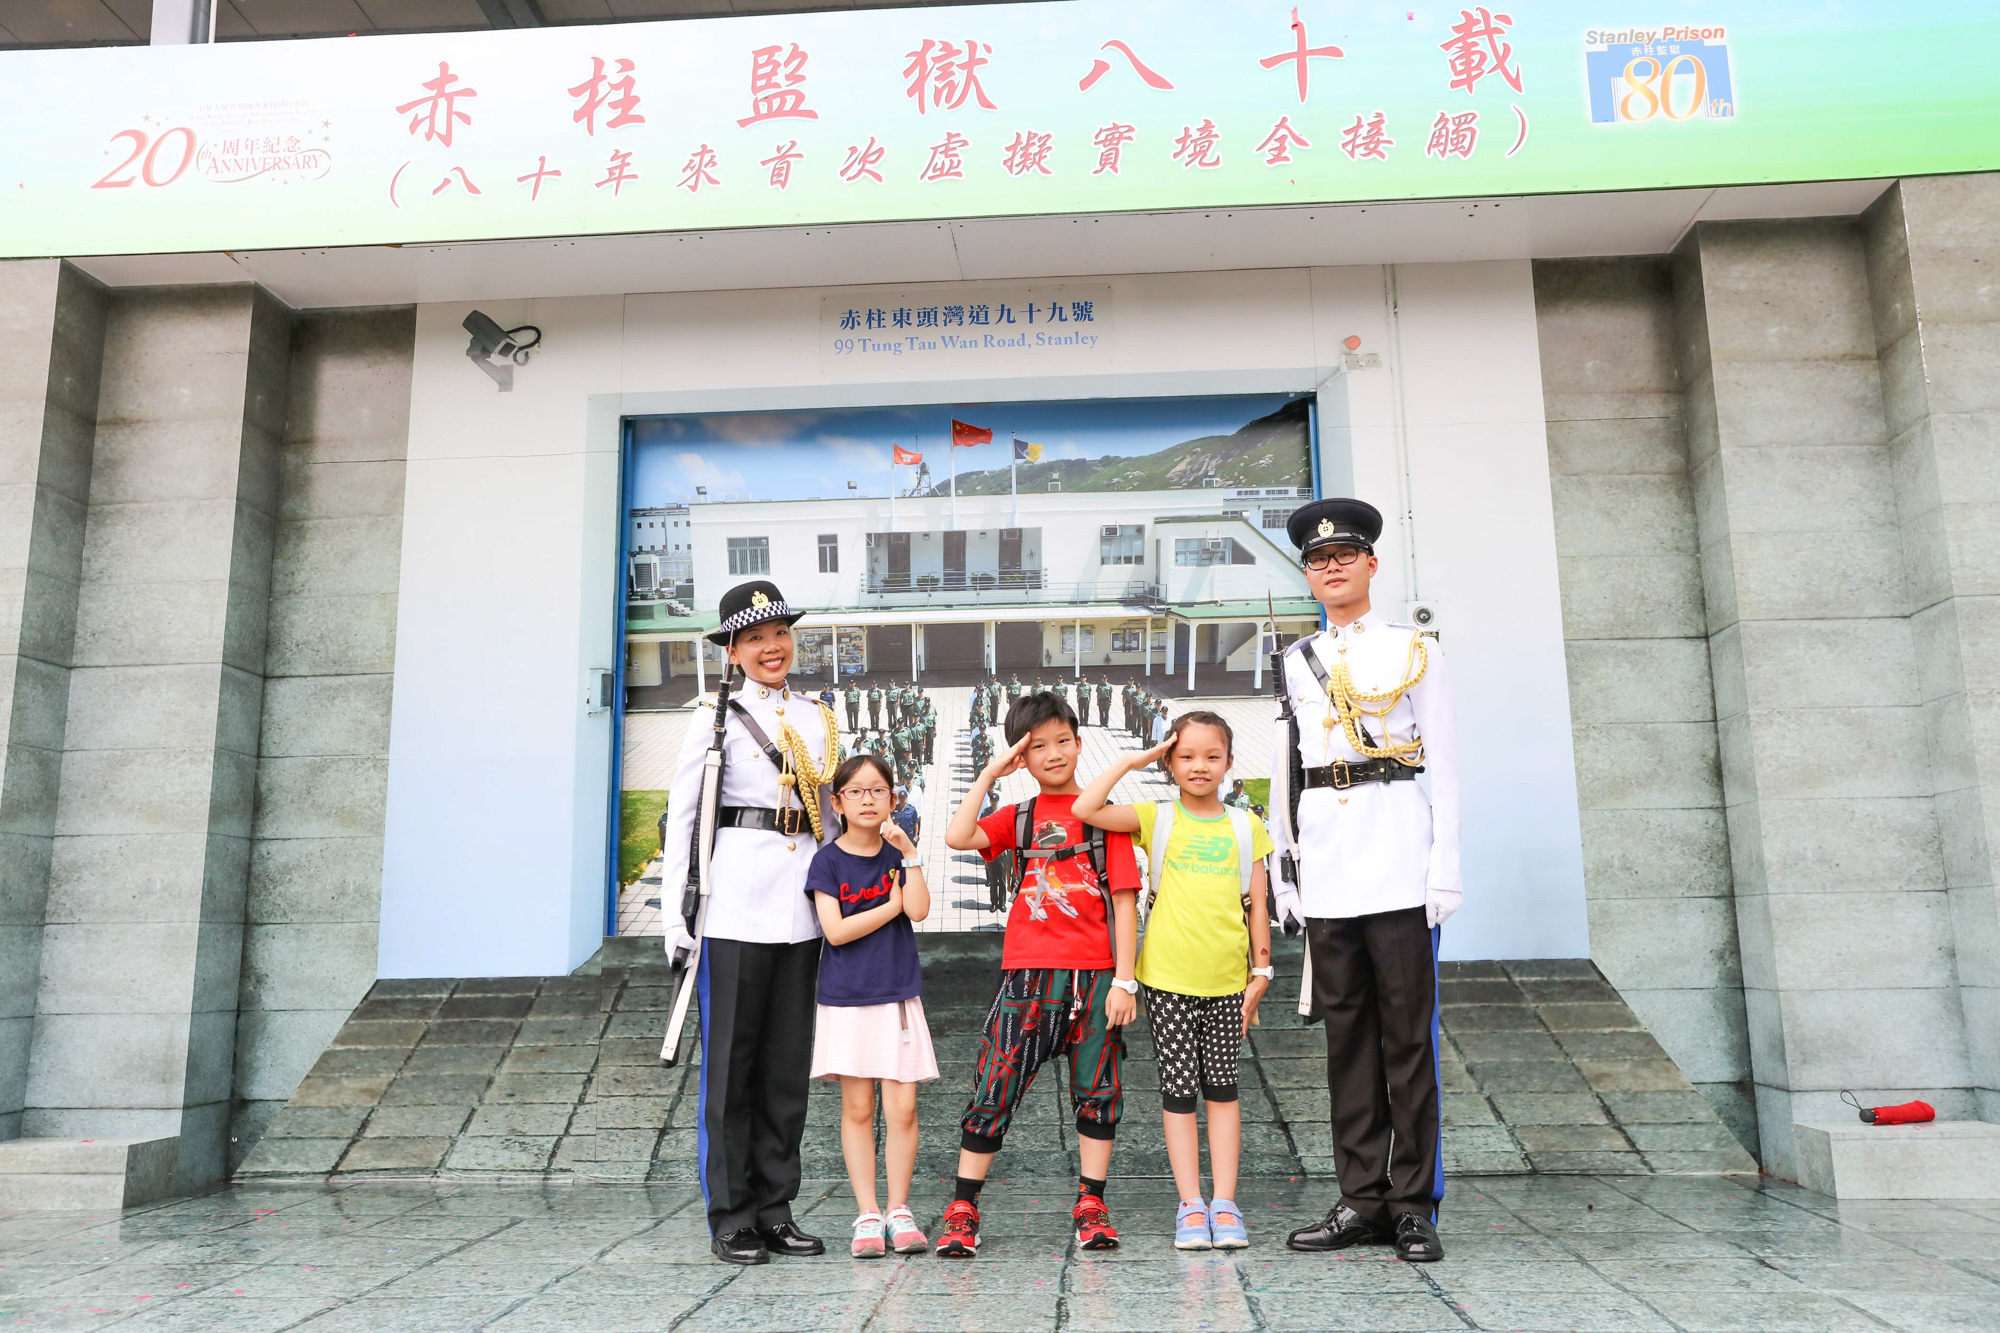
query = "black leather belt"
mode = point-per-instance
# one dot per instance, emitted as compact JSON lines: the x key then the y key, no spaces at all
{"x":788,"y":822}
{"x":1341,"y":775}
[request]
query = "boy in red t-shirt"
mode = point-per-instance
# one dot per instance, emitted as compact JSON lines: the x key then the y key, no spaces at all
{"x":1066,"y":980}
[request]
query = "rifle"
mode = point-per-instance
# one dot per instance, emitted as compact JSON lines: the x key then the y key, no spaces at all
{"x":694,"y":897}
{"x":1288,"y":780}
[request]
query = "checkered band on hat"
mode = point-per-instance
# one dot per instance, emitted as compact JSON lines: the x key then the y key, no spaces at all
{"x":754,"y":615}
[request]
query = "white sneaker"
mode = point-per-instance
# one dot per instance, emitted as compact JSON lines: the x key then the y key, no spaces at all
{"x":868,"y":1242}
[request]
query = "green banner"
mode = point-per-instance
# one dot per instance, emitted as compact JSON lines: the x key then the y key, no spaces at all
{"x":1007,"y":110}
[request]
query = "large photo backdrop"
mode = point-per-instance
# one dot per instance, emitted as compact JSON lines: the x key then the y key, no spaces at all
{"x":1131,"y":552}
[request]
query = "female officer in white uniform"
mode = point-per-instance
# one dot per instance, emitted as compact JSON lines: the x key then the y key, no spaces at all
{"x":759,"y":972}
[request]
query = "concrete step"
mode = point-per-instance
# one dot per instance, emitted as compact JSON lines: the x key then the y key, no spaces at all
{"x":1544,"y":1069}
{"x":1945,"y":1159}
{"x":85,"y":1173}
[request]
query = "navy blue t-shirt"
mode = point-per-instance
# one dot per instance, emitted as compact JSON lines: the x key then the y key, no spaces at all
{"x":881,"y":967}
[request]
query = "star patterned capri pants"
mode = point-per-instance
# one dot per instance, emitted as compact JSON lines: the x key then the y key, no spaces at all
{"x":1199,"y":1041}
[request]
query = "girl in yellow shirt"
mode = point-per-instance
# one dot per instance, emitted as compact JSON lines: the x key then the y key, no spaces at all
{"x":1205,"y":959}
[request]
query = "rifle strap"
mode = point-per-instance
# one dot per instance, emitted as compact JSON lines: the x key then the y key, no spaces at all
{"x":1326,"y":687}
{"x":757,"y":735}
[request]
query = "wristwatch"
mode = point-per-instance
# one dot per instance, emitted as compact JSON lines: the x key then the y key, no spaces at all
{"x":1129,"y":985}
{"x":1268,"y":973}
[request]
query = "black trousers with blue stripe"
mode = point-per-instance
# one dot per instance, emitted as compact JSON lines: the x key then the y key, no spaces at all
{"x":758,"y":1002}
{"x":1375,"y":986}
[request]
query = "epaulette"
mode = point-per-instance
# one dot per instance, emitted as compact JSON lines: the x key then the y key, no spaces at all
{"x":1411,"y":628}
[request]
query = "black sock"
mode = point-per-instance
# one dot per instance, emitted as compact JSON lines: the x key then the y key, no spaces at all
{"x":1089,"y":1186}
{"x":967,"y":1191}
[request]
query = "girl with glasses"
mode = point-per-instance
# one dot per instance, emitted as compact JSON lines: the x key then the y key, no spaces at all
{"x":867,"y":887}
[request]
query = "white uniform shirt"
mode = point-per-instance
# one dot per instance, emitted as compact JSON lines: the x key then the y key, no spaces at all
{"x":759,"y":889}
{"x":1376,"y":846}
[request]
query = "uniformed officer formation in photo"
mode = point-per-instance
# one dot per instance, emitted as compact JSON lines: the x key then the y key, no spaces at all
{"x":997,"y":667}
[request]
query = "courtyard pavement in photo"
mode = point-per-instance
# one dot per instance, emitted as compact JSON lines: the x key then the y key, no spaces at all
{"x":1706,"y":1254}
{"x":958,"y":883}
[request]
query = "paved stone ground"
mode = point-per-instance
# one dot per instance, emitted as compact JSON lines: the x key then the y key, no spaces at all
{"x":1539,"y":1252}
{"x":1544,"y":1070}
{"x":958,"y":886}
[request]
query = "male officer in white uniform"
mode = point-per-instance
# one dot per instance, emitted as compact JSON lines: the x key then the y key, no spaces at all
{"x":1378,"y":873}
{"x":758,"y":978}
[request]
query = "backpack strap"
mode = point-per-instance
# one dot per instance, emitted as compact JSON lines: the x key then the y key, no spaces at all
{"x":1024,"y":830}
{"x":1163,"y":828}
{"x":1239,"y":824}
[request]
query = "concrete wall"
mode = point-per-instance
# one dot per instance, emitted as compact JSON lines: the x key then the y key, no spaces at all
{"x":143,"y":936}
{"x":1933,"y":250}
{"x":1655,"y":843}
{"x":53,"y":320}
{"x":313,"y":904}
{"x":1839,"y":877}
{"x":200,"y":591}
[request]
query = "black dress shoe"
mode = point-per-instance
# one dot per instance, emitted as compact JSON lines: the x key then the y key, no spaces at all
{"x":786,"y":1239}
{"x":740,"y":1247}
{"x":1336,"y":1231}
{"x":1417,"y":1240}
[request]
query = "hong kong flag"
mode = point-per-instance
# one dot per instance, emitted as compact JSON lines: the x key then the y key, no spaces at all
{"x":904,"y":458}
{"x":964,"y":436}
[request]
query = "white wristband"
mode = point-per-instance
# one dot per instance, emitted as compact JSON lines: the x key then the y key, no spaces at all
{"x":1268,"y":973}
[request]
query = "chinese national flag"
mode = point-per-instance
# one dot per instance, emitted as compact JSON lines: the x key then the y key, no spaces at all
{"x":905,"y":458}
{"x":964,"y":436}
{"x":1027,"y":453}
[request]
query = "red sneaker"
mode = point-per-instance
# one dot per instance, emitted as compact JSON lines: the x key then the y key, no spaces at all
{"x":961,"y":1231}
{"x":1093,"y":1224}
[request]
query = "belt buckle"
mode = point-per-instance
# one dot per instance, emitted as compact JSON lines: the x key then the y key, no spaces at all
{"x":791,"y":819}
{"x":1343,"y":776}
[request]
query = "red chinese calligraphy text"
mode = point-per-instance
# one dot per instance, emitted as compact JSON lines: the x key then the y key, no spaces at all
{"x":1453,"y":136}
{"x":1301,"y":53}
{"x":775,"y":93}
{"x":945,"y":77}
{"x":601,"y":90}
{"x":1478,"y":47}
{"x":1367,"y":140}
{"x":1100,"y":67}
{"x":437,"y":114}
{"x":1197,"y":144}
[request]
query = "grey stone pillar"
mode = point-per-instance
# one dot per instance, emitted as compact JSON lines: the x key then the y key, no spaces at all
{"x":143,"y":941}
{"x":313,"y":913}
{"x":1655,"y":844}
{"x":1842,"y":915}
{"x":1933,"y":246}
{"x":53,"y":321}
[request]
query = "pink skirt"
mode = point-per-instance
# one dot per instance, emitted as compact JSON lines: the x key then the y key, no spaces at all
{"x":889,"y":1041}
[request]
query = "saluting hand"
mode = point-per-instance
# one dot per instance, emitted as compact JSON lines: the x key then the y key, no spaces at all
{"x":1154,"y":755}
{"x":1008,"y":760}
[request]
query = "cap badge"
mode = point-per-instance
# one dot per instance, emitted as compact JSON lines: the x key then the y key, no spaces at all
{"x":1326,"y":527}
{"x":759,"y":599}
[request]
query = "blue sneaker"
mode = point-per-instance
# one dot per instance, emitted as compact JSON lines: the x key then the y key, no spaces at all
{"x":1230,"y":1235}
{"x":1191,"y":1226}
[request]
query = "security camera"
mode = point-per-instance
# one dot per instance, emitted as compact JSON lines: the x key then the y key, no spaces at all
{"x":496,"y":350}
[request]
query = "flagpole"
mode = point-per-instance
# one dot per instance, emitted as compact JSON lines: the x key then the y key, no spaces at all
{"x":953,"y":451}
{"x":893,"y":482}
{"x":1013,"y":487}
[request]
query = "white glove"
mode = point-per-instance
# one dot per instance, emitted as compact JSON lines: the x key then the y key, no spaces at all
{"x":680,"y":944}
{"x":1439,"y":904}
{"x":1291,"y":912}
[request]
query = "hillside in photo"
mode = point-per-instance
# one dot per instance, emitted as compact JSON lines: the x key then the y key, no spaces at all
{"x":1273,"y":450}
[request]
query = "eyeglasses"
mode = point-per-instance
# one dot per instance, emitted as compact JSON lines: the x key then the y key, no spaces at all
{"x":864,"y":793}
{"x":1339,"y":555}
